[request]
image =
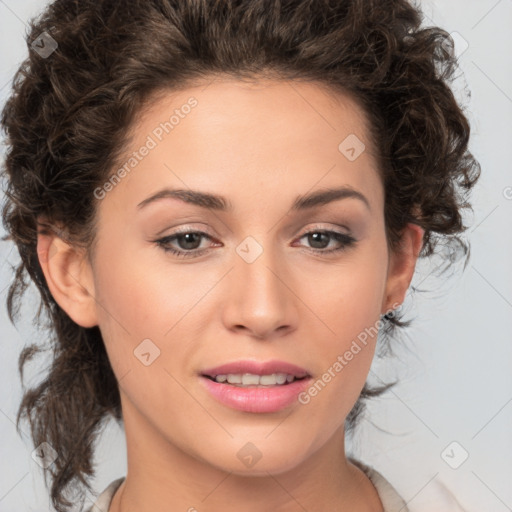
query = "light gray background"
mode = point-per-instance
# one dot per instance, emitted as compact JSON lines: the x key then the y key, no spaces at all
{"x":456,"y":378}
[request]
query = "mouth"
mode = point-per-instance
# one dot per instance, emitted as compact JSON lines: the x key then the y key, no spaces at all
{"x":256,"y":387}
{"x":256,"y":373}
{"x":247,"y":380}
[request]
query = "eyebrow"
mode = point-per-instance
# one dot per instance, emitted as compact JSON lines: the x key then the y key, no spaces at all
{"x":220,"y":203}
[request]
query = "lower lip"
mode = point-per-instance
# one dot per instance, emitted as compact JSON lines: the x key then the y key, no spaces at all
{"x":256,"y":399}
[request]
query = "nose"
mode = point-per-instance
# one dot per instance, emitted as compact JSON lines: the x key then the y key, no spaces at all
{"x":260,"y":299}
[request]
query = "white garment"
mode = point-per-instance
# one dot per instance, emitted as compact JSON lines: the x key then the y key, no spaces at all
{"x":102,"y":504}
{"x":436,"y":497}
{"x":391,"y":500}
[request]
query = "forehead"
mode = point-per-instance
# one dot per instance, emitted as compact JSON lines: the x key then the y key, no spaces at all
{"x":254,"y":136}
{"x":264,"y":102}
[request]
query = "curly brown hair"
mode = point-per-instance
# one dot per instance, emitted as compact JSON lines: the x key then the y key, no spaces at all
{"x":67,"y":122}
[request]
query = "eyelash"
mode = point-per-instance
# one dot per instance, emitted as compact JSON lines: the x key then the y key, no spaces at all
{"x":346,"y":240}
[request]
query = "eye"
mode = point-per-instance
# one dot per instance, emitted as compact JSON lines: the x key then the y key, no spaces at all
{"x":188,"y":242}
{"x":319,"y":239}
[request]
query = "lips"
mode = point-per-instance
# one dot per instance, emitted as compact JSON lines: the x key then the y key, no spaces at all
{"x":256,"y":368}
{"x":234,"y":385}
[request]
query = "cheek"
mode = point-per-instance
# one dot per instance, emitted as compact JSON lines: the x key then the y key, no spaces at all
{"x":140,"y":324}
{"x":145,"y":299}
{"x":351,"y":310}
{"x":138,"y":302}
{"x":348,"y":296}
{"x":347,"y":299}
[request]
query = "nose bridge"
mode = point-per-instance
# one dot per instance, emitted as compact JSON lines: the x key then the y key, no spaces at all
{"x":256,"y":268}
{"x":259,"y":298}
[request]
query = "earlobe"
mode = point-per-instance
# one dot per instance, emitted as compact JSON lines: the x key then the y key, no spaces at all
{"x":402,"y":264}
{"x":69,"y":277}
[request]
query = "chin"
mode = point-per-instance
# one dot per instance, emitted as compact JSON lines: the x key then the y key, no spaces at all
{"x":249,"y":460}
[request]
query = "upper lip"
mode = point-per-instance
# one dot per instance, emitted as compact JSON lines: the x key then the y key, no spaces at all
{"x":256,"y":368}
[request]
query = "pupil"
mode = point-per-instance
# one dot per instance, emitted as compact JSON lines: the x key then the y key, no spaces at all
{"x":314,"y":239}
{"x":187,"y":236}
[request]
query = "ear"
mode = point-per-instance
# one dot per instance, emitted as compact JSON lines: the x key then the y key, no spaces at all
{"x":402,"y":263}
{"x":68,"y":274}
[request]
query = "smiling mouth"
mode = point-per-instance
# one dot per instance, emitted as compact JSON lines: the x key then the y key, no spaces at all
{"x":245,"y":380}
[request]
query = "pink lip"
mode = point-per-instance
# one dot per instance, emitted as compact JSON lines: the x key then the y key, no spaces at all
{"x":256,"y":399}
{"x":257,"y":368}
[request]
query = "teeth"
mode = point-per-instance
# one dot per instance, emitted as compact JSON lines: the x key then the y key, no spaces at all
{"x":234,"y":379}
{"x":250,"y":379}
{"x":281,"y":378}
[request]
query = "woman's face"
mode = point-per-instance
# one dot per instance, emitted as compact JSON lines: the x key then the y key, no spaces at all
{"x":258,"y":281}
